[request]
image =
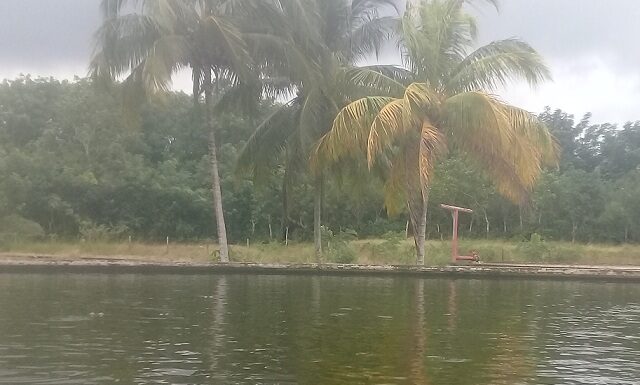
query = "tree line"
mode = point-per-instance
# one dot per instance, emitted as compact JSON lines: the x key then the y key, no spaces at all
{"x":71,"y":168}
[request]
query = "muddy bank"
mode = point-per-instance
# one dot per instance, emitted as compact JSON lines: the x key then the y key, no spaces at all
{"x":50,"y":263}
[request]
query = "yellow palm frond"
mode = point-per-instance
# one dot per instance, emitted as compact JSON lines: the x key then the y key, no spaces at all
{"x":388,"y":123}
{"x":433,"y":145}
{"x":384,"y":80}
{"x":525,"y":123}
{"x":476,"y":117}
{"x":350,"y":130}
{"x":421,"y":100}
{"x":395,"y":195}
{"x":510,"y":144}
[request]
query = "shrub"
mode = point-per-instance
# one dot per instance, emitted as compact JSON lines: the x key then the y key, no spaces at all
{"x":535,"y":249}
{"x":338,"y":247}
{"x":15,"y":227}
{"x":91,"y":232}
{"x":394,"y":249}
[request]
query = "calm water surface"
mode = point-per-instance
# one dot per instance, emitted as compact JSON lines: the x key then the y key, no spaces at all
{"x":197,"y":329}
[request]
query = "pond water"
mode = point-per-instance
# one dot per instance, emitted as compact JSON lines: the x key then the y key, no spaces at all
{"x":251,"y":329}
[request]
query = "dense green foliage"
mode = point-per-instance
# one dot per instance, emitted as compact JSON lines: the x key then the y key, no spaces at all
{"x":70,"y":168}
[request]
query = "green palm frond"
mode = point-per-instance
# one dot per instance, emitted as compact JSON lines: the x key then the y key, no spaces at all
{"x":279,"y":58}
{"x":370,"y":34}
{"x":435,"y":36}
{"x":224,"y":47}
{"x":363,"y":6}
{"x":268,"y":141}
{"x":316,"y":112}
{"x":146,"y":42}
{"x":122,"y":43}
{"x":497,"y":63}
{"x":382,"y":80}
{"x":317,"y":53}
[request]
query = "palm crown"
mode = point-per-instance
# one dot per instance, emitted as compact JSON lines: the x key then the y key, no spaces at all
{"x":147,"y":42}
{"x":318,"y":62}
{"x":443,"y":101}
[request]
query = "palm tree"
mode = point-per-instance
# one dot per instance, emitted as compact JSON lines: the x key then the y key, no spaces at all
{"x":147,"y":42}
{"x":447,"y":105}
{"x":319,"y":67}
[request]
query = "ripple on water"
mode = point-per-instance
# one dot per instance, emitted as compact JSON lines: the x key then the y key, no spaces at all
{"x":297,"y":330}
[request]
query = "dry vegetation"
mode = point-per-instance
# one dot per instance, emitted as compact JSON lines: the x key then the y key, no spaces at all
{"x":392,"y":250}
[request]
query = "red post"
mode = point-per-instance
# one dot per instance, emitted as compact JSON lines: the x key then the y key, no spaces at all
{"x":454,"y":239}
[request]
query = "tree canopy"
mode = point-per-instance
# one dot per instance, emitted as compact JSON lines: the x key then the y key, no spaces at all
{"x":70,"y":168}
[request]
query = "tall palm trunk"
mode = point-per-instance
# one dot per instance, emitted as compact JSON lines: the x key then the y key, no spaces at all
{"x":215,"y":174}
{"x":285,"y":208}
{"x":417,"y":204}
{"x":418,"y":216}
{"x":286,"y":220}
{"x":317,"y":217}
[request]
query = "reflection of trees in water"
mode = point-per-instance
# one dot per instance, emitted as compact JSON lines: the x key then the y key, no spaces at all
{"x":418,"y":332}
{"x":314,"y":330}
{"x":315,"y":299}
{"x":487,"y":327}
{"x":452,"y":306}
{"x":511,"y":362}
{"x":218,"y":310}
{"x":511,"y":358}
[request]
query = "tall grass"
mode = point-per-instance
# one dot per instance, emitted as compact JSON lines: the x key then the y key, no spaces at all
{"x":391,"y":250}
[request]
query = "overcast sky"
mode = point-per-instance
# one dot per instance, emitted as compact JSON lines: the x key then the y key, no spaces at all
{"x":590,"y":46}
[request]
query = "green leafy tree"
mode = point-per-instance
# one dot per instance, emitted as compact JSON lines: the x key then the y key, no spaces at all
{"x":620,"y":219}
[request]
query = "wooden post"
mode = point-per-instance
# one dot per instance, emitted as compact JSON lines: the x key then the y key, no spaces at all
{"x":286,"y":236}
{"x":167,"y":244}
{"x":454,"y":241}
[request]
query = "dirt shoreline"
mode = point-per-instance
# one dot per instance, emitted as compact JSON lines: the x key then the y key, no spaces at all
{"x":13,"y":263}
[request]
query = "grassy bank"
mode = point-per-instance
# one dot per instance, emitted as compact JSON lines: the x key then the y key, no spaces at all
{"x":379,"y":251}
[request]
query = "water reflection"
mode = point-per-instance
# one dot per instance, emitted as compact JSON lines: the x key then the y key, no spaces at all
{"x":218,"y":310}
{"x":314,"y":330}
{"x":418,"y":332}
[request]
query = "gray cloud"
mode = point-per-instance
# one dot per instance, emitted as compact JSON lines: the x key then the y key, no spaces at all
{"x":589,"y":44}
{"x":568,"y":29}
{"x":46,"y":36}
